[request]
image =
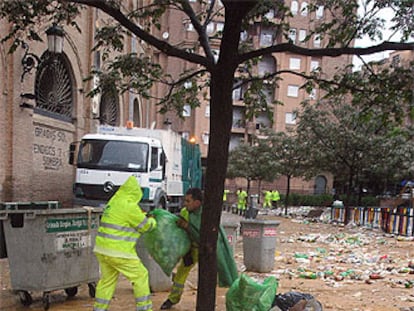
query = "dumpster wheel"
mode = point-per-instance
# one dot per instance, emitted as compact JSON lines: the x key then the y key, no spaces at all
{"x":92,"y":289}
{"x":71,"y":291}
{"x":46,"y":300}
{"x":25,"y":298}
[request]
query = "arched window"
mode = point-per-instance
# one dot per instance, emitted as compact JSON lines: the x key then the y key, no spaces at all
{"x":54,"y":87}
{"x":320,"y":184}
{"x":109,"y":107}
{"x":137,"y":113}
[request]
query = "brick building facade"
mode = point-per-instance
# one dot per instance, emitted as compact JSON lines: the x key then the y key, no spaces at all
{"x":45,"y":108}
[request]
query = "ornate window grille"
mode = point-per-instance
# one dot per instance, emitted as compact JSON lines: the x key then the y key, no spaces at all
{"x":54,"y":87}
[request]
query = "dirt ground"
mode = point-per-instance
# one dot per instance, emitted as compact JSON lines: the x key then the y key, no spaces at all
{"x":356,"y":269}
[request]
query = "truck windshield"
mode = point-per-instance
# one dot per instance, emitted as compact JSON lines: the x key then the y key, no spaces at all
{"x":113,"y":155}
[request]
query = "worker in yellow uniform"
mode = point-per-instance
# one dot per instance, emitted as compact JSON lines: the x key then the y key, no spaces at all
{"x":225,"y":204}
{"x":275,"y":198}
{"x":190,"y":221}
{"x":121,"y":225}
{"x":267,"y":202}
{"x":241,"y":201}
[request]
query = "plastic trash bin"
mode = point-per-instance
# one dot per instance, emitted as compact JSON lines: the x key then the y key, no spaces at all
{"x":259,"y":244}
{"x":231,"y":229}
{"x":158,"y":280}
{"x":51,"y":249}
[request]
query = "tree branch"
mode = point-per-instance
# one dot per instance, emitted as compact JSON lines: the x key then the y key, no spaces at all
{"x":163,"y":46}
{"x":332,"y":52}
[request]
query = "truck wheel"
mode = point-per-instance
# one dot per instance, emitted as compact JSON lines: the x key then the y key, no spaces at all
{"x":25,"y":298}
{"x":161,"y":204}
{"x":71,"y":291}
{"x":46,"y":300}
{"x":92,"y":289}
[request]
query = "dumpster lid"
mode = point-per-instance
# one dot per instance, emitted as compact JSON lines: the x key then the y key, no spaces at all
{"x":260,"y":221}
{"x":29,"y":205}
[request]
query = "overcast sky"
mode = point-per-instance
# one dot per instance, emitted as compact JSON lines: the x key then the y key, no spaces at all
{"x":387,"y":15}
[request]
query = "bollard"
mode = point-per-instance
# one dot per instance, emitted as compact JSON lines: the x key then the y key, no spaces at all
{"x":259,"y":243}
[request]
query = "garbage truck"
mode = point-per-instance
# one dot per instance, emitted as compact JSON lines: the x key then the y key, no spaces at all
{"x":164,"y":163}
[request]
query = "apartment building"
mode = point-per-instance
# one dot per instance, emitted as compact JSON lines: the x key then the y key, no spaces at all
{"x":44,"y":104}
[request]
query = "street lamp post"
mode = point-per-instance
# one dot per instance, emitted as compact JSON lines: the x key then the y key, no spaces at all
{"x":55,"y":35}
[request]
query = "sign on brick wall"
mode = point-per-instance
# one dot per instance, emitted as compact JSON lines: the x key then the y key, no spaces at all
{"x":49,"y":148}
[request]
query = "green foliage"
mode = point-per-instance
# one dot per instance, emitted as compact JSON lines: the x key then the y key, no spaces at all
{"x":296,"y":199}
{"x":252,"y":162}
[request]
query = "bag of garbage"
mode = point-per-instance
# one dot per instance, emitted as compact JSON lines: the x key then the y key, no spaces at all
{"x":301,"y":302}
{"x":226,"y":266}
{"x":247,"y":295}
{"x":167,"y":243}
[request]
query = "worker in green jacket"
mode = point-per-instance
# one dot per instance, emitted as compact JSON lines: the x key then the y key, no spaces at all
{"x":121,"y":225}
{"x":190,"y":221}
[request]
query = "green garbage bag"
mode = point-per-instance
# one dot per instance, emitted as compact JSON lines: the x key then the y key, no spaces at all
{"x":247,"y":295}
{"x":226,"y":266}
{"x":167,"y":243}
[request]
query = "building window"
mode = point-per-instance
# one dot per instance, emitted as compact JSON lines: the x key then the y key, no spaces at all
{"x":293,"y":91}
{"x":290,"y":118}
{"x":207,"y":112}
{"x":219,"y":26}
{"x":186,"y":111}
{"x":266,"y":65}
{"x":189,"y":26}
{"x":205,"y":137}
{"x":312,"y":94}
{"x":238,"y":92}
{"x":216,"y":54}
{"x":302,"y":35}
{"x":185,"y":135}
{"x":294,"y":63}
{"x":319,"y":12}
{"x":136,"y":113}
{"x":294,"y":7}
{"x":314,"y":65}
{"x":396,"y":60}
{"x":304,"y":9}
{"x":317,"y":41}
{"x":243,"y":36}
{"x":210,"y":28}
{"x":292,"y":35}
{"x":54,"y":91}
{"x":266,"y":37}
{"x":270,"y":14}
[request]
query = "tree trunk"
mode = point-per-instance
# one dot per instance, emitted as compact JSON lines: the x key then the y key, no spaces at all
{"x":220,"y":127}
{"x":287,"y":194}
{"x":221,"y":115}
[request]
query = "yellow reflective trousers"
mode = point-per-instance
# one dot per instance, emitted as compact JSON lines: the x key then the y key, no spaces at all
{"x":133,"y":270}
{"x":181,"y":276}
